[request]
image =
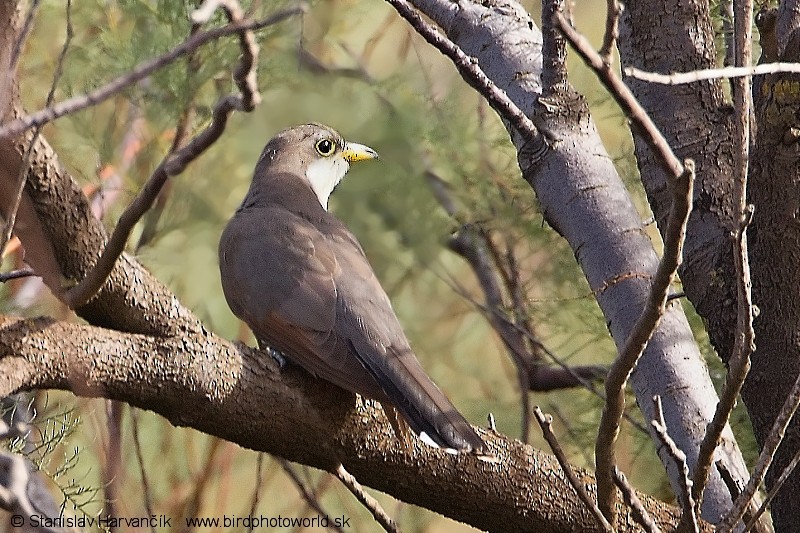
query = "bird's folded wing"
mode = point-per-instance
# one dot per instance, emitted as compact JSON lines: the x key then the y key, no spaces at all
{"x":282,"y":284}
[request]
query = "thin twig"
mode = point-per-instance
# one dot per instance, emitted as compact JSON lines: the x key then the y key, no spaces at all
{"x":679,"y":78}
{"x":27,"y":26}
{"x":733,"y":484}
{"x":368,"y":501}
{"x":639,"y":513}
{"x":174,"y":163}
{"x":689,"y":512}
{"x":768,"y":450}
{"x":257,"y":488}
{"x":776,"y":487}
{"x":112,"y":467}
{"x":640,"y":120}
{"x":640,"y":334}
{"x":22,"y":177}
{"x":726,"y":14}
{"x":306,"y":494}
{"x":472,"y":73}
{"x":545,"y":422}
{"x":137,"y":447}
{"x":744,"y":343}
{"x":613,"y":11}
{"x":140,"y":72}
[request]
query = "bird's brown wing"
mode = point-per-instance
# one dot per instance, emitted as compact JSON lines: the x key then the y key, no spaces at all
{"x":278,"y":276}
{"x":311,"y":293}
{"x":367,"y":322}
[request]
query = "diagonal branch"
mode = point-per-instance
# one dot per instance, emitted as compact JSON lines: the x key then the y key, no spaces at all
{"x":768,"y":450}
{"x":682,"y":190}
{"x":175,"y":162}
{"x":473,"y":74}
{"x":546,"y":422}
{"x":140,"y":72}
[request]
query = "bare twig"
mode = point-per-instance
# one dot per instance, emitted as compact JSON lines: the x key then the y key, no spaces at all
{"x":27,"y":26}
{"x":726,"y":14}
{"x":768,"y":450}
{"x":366,"y":500}
{"x":640,"y":334}
{"x":776,"y":486}
{"x":613,"y":11}
{"x":112,"y":467}
{"x":545,"y":422}
{"x":640,"y":514}
{"x":137,"y":446}
{"x":689,"y":516}
{"x":306,"y":494}
{"x":679,"y":78}
{"x":623,"y":96}
{"x":472,"y":73}
{"x":175,"y":163}
{"x":140,"y":72}
{"x":739,"y":363}
{"x":257,"y":487}
{"x":744,"y":345}
{"x":734,"y":485}
{"x":11,"y":216}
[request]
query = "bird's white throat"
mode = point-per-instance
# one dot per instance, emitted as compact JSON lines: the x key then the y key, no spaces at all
{"x":324,"y":175}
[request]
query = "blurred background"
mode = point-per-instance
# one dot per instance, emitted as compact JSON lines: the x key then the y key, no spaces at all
{"x":355,"y":65}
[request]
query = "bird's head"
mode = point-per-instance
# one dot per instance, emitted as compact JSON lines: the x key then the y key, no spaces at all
{"x":315,"y":153}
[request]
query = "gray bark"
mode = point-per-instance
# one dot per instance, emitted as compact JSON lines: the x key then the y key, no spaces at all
{"x":584,"y":199}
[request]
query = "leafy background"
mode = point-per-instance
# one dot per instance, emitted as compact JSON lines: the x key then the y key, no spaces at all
{"x":385,"y":88}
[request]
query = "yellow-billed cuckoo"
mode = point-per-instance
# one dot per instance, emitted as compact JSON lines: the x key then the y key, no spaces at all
{"x":296,"y":275}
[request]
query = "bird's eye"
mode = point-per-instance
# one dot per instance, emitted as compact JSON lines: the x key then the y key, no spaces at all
{"x":325,"y":147}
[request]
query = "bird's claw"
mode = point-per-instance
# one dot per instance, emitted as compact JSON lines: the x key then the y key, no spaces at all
{"x":277,"y":356}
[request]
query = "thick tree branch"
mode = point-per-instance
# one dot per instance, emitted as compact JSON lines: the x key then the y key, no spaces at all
{"x":682,"y":188}
{"x":238,"y":394}
{"x":583,"y":198}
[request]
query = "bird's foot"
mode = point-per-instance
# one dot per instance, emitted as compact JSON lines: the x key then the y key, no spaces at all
{"x":278,"y":357}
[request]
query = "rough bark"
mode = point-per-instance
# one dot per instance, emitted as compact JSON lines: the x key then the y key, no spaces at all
{"x":775,"y":262}
{"x":238,"y":394}
{"x":697,"y":121}
{"x":584,"y":199}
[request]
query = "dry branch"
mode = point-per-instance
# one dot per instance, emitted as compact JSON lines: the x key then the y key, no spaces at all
{"x":768,"y":450}
{"x":473,"y":74}
{"x":546,"y":422}
{"x":176,"y":161}
{"x":682,"y":189}
{"x":140,"y":72}
{"x":689,"y":516}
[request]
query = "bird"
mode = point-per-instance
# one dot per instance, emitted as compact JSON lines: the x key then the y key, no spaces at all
{"x":296,"y":275}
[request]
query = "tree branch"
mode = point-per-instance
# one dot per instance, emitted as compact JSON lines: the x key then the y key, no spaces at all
{"x":140,"y":72}
{"x":473,"y":74}
{"x":240,"y":395}
{"x":176,"y":161}
{"x":768,"y":450}
{"x":546,"y":422}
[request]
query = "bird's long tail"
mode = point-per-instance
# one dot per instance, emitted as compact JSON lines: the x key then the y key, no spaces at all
{"x":426,"y":409}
